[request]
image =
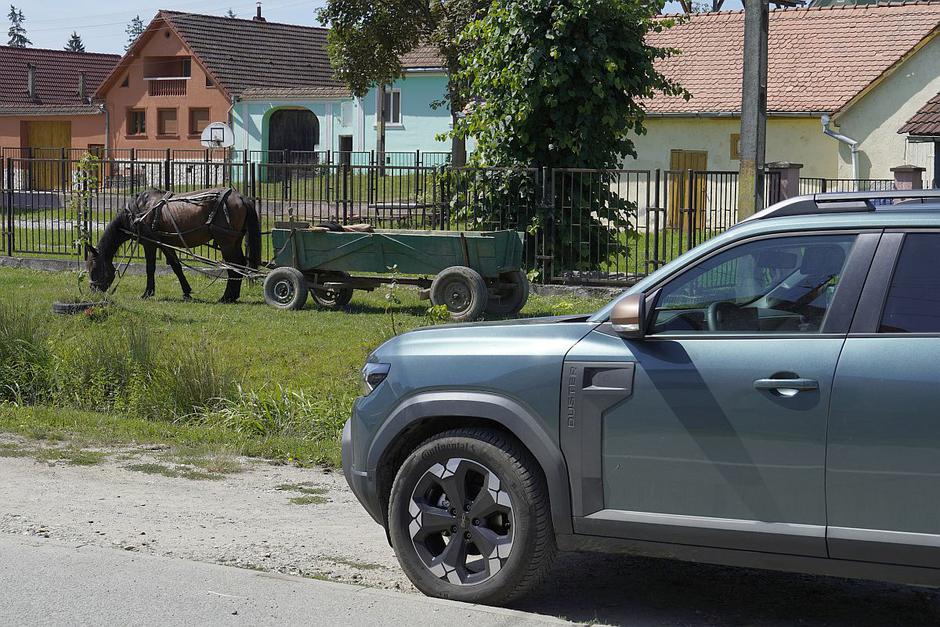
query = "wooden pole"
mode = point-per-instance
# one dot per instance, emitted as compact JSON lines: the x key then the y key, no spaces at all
{"x":753,"y":109}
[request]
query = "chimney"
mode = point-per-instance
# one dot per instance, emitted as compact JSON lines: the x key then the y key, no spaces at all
{"x":257,"y":17}
{"x":31,"y":81}
{"x":82,"y":95}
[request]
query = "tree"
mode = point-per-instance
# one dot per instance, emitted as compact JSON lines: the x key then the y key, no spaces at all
{"x":367,"y":40}
{"x":17,"y":31}
{"x":75,"y":43}
{"x":230,"y":13}
{"x":560,"y":84}
{"x":134,"y":30}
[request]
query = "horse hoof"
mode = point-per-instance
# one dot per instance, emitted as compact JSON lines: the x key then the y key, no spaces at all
{"x":226,"y":301}
{"x":147,"y":296}
{"x":187,"y":297}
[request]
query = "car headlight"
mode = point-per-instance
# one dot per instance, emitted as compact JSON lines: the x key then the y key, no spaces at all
{"x":372,"y":375}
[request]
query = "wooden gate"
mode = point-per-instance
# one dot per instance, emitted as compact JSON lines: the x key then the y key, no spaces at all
{"x":681,"y":196}
{"x":46,"y":141}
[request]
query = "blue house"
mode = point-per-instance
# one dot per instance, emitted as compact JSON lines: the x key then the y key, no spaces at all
{"x":284,"y":96}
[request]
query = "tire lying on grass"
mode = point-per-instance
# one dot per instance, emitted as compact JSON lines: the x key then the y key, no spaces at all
{"x":469,"y":517}
{"x":285,"y":288}
{"x":462,"y":290}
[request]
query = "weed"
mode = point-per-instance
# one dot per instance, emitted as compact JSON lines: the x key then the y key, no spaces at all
{"x":75,"y":457}
{"x":13,"y":450}
{"x":180,"y":472}
{"x":355,"y":564}
{"x":24,"y":353}
{"x":303,"y":488}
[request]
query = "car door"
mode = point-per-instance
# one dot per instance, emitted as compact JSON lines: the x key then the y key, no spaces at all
{"x":711,"y":430}
{"x":883,"y":469}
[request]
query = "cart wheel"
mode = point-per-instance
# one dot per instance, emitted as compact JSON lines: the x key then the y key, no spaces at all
{"x":333,"y":298}
{"x":285,"y":288}
{"x":513,"y":292}
{"x":462,"y":290}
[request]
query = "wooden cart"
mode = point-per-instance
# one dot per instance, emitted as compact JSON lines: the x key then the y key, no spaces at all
{"x":470,"y":272}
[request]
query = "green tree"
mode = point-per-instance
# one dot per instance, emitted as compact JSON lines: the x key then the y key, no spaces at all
{"x":134,"y":30}
{"x":230,"y":13}
{"x":367,"y":40}
{"x":75,"y":43}
{"x":560,"y":84}
{"x":17,"y":31}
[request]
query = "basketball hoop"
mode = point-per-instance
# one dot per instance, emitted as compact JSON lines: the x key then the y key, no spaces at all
{"x":218,"y":135}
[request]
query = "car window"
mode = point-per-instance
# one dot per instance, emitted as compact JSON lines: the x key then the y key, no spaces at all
{"x":774,"y":285}
{"x":913,"y":304}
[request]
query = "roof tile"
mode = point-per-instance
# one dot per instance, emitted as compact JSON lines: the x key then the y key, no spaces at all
{"x":56,"y":76}
{"x":926,"y":122}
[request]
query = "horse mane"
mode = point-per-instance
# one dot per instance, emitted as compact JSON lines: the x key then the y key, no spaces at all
{"x":114,"y":235}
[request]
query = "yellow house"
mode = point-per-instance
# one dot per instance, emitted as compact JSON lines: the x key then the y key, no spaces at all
{"x":865,"y":70}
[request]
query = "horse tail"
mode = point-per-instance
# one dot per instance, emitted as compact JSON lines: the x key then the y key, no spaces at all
{"x":253,"y":232}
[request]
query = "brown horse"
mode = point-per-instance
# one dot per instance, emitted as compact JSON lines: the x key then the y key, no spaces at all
{"x":159,"y":219}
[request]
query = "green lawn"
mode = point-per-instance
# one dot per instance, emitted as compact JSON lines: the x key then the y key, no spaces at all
{"x":288,"y":378}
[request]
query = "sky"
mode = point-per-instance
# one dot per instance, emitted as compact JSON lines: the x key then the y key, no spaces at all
{"x":49,"y":23}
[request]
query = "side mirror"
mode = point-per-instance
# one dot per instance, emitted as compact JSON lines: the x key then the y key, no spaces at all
{"x":628,"y":317}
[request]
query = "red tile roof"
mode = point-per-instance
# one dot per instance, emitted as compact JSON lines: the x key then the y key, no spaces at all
{"x":818,"y":59}
{"x":56,"y":77}
{"x":926,"y":122}
{"x":422,"y":57}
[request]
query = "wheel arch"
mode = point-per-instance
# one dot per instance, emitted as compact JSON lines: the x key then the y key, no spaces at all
{"x":424,"y":415}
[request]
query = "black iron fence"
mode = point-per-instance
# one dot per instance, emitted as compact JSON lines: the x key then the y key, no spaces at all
{"x":581,"y":226}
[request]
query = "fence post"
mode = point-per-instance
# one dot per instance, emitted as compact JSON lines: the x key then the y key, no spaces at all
{"x":167,"y":177}
{"x":691,"y":209}
{"x":656,"y":203}
{"x":549,"y":201}
{"x":9,"y":207}
{"x":346,"y":168}
{"x":133,"y":172}
{"x":63,"y":168}
{"x":206,"y":178}
{"x":417,"y":175}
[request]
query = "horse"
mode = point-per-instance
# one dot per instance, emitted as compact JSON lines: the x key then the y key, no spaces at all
{"x":158,"y":220}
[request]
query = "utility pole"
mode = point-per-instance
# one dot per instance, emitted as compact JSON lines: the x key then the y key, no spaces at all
{"x":753,"y":109}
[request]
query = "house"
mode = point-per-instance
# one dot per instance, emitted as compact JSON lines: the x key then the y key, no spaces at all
{"x":273,"y":83}
{"x":867,"y":69}
{"x":924,"y":128}
{"x":46,"y":103}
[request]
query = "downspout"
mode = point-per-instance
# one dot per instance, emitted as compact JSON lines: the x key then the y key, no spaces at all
{"x":103,"y":107}
{"x":852,"y":143}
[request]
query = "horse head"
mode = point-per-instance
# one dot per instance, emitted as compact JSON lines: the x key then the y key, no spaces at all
{"x":100,"y":270}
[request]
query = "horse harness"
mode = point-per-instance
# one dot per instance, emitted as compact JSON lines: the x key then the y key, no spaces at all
{"x":155,"y":215}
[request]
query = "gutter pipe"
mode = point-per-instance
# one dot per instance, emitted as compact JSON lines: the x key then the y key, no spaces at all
{"x":852,"y":143}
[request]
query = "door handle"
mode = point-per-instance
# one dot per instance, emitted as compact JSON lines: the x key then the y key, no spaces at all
{"x":786,"y":387}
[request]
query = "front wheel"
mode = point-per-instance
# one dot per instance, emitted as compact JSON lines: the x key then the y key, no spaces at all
{"x":285,"y":288}
{"x":469,"y":517}
{"x":512,"y":292}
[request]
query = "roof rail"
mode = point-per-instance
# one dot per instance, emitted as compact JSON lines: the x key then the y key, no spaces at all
{"x":843,"y":202}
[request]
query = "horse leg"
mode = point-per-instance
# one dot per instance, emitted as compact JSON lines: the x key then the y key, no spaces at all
{"x":150,"y":255}
{"x":174,"y":262}
{"x":233,"y":288}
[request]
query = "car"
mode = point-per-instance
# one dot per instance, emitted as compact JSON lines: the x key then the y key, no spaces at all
{"x":769,"y":399}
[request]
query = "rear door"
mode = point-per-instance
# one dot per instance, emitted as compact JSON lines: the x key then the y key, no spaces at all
{"x":883,"y":458}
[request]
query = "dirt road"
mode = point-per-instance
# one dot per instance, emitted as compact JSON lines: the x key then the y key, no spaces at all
{"x":306,"y":522}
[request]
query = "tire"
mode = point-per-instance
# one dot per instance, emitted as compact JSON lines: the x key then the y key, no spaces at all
{"x":333,"y":298}
{"x":492,"y":472}
{"x":462,"y":290}
{"x":285,"y":288}
{"x":511,"y":298}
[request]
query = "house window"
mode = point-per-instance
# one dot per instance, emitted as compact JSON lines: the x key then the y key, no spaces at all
{"x":735,"y":146}
{"x":166,"y":122}
{"x":136,"y":122}
{"x":126,"y":81}
{"x":209,"y":82}
{"x":392,"y":109}
{"x":198,"y":120}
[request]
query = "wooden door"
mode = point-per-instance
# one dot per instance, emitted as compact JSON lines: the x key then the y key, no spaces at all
{"x":680,"y":162}
{"x":46,"y":141}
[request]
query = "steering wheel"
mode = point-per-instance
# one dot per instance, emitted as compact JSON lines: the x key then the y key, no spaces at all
{"x":714,"y":316}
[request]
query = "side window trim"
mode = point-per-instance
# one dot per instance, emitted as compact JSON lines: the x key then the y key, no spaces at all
{"x":857,"y":267}
{"x":875,"y":291}
{"x":851,"y":297}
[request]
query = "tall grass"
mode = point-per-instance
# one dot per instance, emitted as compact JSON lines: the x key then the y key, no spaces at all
{"x":24,"y":354}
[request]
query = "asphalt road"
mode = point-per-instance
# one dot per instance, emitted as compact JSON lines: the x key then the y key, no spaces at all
{"x":48,"y":582}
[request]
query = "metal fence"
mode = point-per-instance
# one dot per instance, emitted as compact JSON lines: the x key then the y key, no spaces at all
{"x":581,"y":226}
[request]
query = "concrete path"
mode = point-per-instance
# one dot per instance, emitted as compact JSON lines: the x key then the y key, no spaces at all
{"x":47,"y":582}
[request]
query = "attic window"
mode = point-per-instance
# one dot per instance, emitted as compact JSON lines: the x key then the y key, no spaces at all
{"x":126,"y":81}
{"x":209,"y":82}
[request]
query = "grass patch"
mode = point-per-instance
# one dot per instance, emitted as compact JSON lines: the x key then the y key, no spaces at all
{"x":308,"y":499}
{"x":14,"y":450}
{"x":180,"y":472}
{"x":303,"y":488}
{"x":244,"y":379}
{"x":75,"y":457}
{"x":355,"y":564}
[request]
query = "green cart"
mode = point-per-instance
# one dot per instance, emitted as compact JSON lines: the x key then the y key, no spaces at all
{"x":468,"y":271}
